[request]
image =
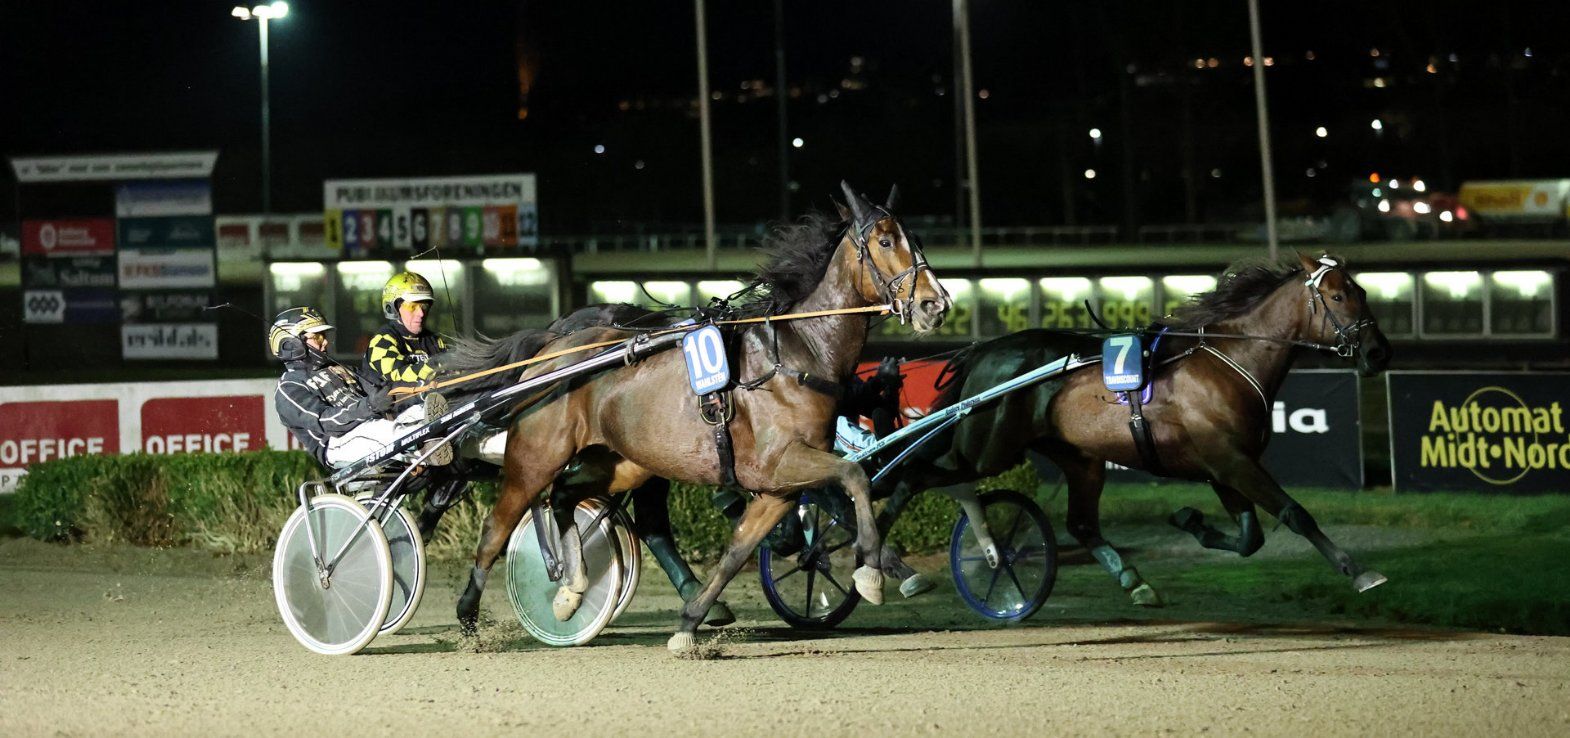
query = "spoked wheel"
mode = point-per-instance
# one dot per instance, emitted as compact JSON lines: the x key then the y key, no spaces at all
{"x":408,"y":564}
{"x":341,"y":612}
{"x":631,"y":550}
{"x":813,"y":589}
{"x":1027,"y":558}
{"x":531,"y":590}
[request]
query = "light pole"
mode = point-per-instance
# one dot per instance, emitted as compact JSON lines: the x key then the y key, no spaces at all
{"x":261,"y":14}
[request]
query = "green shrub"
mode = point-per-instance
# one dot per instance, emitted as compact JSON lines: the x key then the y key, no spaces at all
{"x":237,"y":502}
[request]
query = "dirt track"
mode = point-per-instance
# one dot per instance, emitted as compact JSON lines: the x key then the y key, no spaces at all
{"x":96,"y":641}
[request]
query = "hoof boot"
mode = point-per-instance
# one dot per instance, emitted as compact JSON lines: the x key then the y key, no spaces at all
{"x":566,"y":604}
{"x":1368,"y":580}
{"x":681,"y":644}
{"x":1146,"y":596}
{"x":869,"y":584}
{"x":719,"y":615}
{"x":916,"y":584}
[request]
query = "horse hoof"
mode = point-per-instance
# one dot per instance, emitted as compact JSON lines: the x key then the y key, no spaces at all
{"x":681,"y":643}
{"x":566,"y":603}
{"x":1146,"y":596}
{"x":916,"y":584}
{"x":719,"y":615}
{"x":869,"y":584}
{"x":1368,"y":580}
{"x":1186,"y":519}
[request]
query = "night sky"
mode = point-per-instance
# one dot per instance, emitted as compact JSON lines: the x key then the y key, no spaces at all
{"x":421,"y":88}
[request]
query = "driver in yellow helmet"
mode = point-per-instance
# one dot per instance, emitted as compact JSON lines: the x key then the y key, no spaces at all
{"x":399,"y":353}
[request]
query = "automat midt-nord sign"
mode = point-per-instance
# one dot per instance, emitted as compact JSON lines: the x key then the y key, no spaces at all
{"x":1479,"y":432}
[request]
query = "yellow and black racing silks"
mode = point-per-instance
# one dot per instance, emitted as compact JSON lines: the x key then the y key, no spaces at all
{"x":394,"y":356}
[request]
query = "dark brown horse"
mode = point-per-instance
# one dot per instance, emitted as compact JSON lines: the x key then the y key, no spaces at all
{"x":1210,"y":410}
{"x":641,"y":421}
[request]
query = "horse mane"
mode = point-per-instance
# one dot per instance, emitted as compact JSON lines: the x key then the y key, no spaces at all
{"x":799,"y":256}
{"x":1242,"y":285}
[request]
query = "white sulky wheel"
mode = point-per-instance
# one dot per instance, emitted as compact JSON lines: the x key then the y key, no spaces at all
{"x":631,"y":550}
{"x":531,"y":590}
{"x":342,"y":614}
{"x":408,"y":564}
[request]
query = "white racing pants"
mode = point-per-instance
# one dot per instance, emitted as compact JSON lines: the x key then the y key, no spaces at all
{"x":366,"y":438}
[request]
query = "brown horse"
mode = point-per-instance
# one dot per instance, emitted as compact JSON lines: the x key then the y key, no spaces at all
{"x":1210,"y":411}
{"x":641,"y":421}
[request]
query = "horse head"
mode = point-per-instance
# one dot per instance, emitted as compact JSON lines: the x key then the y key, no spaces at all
{"x":895,"y":271}
{"x":1344,"y":319}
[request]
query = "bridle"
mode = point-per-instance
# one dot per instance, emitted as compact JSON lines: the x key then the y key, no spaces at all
{"x":890,"y":288}
{"x":1348,"y":339}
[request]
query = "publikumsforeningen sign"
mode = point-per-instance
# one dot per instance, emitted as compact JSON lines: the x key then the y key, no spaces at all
{"x":1479,"y":432}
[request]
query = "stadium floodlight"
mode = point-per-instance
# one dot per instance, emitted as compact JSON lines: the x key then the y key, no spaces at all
{"x":262,"y":14}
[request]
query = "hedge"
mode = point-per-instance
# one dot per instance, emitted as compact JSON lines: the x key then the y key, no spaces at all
{"x":235,"y":503}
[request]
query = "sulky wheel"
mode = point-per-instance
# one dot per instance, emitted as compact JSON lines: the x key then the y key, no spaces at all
{"x":531,"y":590}
{"x":338,"y":607}
{"x":813,"y":589}
{"x":408,"y":564}
{"x":631,"y":550}
{"x":1027,"y":558}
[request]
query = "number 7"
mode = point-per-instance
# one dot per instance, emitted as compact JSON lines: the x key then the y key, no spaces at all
{"x":1123,"y":343}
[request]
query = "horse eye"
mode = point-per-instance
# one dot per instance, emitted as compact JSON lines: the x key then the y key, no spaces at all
{"x":885,"y":243}
{"x":1337,"y":298}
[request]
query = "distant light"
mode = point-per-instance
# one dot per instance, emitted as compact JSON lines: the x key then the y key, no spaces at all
{"x":1374,"y":52}
{"x":1378,"y":192}
{"x":797,"y":142}
{"x":599,"y":148}
{"x":1374,"y":177}
{"x":1095,"y":134}
{"x":1215,"y":173}
{"x":1212,"y":62}
{"x":1311,"y":172}
{"x":1248,"y":61}
{"x":984,"y":94}
{"x":1431,"y":69}
{"x":1309,"y":55}
{"x":1090,"y":174}
{"x":241,"y":12}
{"x":1454,"y":57}
{"x":1270,"y":61}
{"x":1527,"y":53}
{"x":281,"y":9}
{"x":1395,"y":184}
{"x":1421,"y":208}
{"x":1199,"y":63}
{"x":1384,"y":206}
{"x":638,"y":165}
{"x":1321,"y":132}
{"x":1380,"y":82}
{"x":1377,"y":124}
{"x":1446,"y":216}
{"x":1420,"y":186}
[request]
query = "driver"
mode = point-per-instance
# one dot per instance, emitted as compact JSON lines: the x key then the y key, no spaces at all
{"x":322,"y":402}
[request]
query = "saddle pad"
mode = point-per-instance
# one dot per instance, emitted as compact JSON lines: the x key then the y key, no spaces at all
{"x":1123,"y":362}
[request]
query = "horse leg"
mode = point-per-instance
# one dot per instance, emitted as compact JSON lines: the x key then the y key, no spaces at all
{"x":1249,"y":535}
{"x":802,"y":465}
{"x":911,"y":582}
{"x":761,"y":515}
{"x":970,"y":504}
{"x":652,"y":522}
{"x":1086,"y":477}
{"x":1245,"y":475}
{"x":504,"y":517}
{"x":575,"y":580}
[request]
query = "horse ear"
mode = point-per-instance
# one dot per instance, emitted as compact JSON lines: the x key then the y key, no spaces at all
{"x":1309,"y":264}
{"x":893,"y":200}
{"x":841,"y":209}
{"x":858,"y":205}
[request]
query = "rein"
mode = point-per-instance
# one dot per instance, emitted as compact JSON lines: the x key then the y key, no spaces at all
{"x":410,"y":391}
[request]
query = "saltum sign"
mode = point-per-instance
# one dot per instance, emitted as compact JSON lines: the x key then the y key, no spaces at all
{"x":1479,"y":432}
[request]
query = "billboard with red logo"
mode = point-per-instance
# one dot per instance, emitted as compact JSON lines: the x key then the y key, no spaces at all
{"x":60,"y":238}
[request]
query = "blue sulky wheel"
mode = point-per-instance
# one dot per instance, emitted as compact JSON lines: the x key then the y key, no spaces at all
{"x":812,"y":588}
{"x":1027,"y":558}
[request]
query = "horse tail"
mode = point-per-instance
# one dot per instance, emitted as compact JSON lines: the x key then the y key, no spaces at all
{"x":470,"y":355}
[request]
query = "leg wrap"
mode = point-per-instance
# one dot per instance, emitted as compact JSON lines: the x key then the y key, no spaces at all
{"x":1249,"y":537}
{"x":1296,"y":519}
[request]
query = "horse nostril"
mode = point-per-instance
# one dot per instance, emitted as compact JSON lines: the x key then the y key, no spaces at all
{"x":931,"y":306}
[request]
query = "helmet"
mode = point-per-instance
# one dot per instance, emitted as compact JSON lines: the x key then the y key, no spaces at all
{"x":284,"y":340}
{"x":402,"y":287}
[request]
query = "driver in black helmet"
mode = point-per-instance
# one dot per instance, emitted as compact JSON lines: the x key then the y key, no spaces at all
{"x":322,"y":402}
